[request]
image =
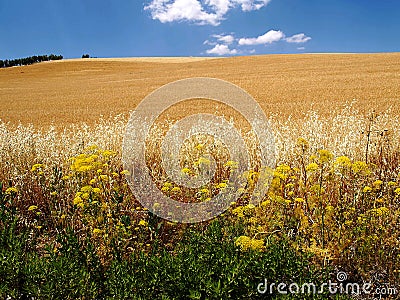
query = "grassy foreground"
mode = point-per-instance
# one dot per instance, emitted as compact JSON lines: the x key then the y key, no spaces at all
{"x":70,"y":227}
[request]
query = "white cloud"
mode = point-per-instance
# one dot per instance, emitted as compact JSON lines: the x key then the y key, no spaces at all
{"x":301,"y":48}
{"x":221,"y":50}
{"x":226,"y":39}
{"x":248,"y":5}
{"x":298,"y":38}
{"x":201,"y":12}
{"x":267,"y":38}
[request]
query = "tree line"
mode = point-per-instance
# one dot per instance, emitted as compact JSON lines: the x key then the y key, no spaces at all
{"x":28,"y":60}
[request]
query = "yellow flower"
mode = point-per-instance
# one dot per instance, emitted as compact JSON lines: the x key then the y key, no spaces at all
{"x":325,"y":156}
{"x":11,"y":190}
{"x":115,"y":175}
{"x":168,"y":184}
{"x":66,"y":177}
{"x":77,"y":200}
{"x":360,"y":167}
{"x":53,"y":193}
{"x":377,"y":183}
{"x":143,"y":223}
{"x":367,"y":189}
{"x":36,"y":166}
{"x":93,"y":181}
{"x":397,"y":191}
{"x":391,"y":183}
{"x":176,"y":189}
{"x":299,"y":200}
{"x":342,"y":162}
{"x":265,"y":203}
{"x":97,"y":231}
{"x":185,"y":170}
{"x":125,"y":172}
{"x":165,"y":189}
{"x":221,"y":185}
{"x":85,"y":196}
{"x":99,"y":171}
{"x":96,"y":190}
{"x":32,"y":207}
{"x":86,"y":189}
{"x":39,"y":227}
{"x":199,"y":146}
{"x":329,"y":208}
{"x":312,"y":167}
{"x":303,"y":143}
{"x":348,"y":222}
{"x":204,"y":191}
{"x":103,"y":177}
{"x":108,"y":153}
{"x":250,"y":206}
{"x":246,"y":243}
{"x":238,"y":211}
{"x":231,"y":164}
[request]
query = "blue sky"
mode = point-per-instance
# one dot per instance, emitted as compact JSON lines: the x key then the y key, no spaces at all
{"x":106,"y":28}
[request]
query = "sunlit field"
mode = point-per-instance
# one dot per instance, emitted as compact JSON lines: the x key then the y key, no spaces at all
{"x":70,"y":227}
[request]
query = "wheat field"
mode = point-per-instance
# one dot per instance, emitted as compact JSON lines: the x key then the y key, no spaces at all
{"x":73,"y":91}
{"x":332,"y":198}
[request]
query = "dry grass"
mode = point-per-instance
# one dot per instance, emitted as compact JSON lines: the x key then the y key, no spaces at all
{"x":73,"y":91}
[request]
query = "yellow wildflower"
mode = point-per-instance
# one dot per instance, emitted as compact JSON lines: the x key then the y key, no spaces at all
{"x":77,"y":200}
{"x":299,"y":200}
{"x":185,"y":170}
{"x":342,"y":162}
{"x":397,"y":191}
{"x":11,"y":190}
{"x":303,"y":143}
{"x":231,"y":164}
{"x":37,"y":166}
{"x":325,"y":156}
{"x":204,"y":191}
{"x":360,"y":167}
{"x":96,"y":190}
{"x":367,"y":189}
{"x":86,"y":189}
{"x":199,"y":146}
{"x":143,"y":223}
{"x":377,"y":183}
{"x":221,"y":185}
{"x":176,"y":189}
{"x":103,"y":177}
{"x":97,"y":231}
{"x":125,"y":172}
{"x":246,"y":243}
{"x":312,"y":167}
{"x":32,"y":207}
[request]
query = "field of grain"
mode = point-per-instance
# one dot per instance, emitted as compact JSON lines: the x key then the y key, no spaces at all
{"x":71,"y":228}
{"x":72,"y":91}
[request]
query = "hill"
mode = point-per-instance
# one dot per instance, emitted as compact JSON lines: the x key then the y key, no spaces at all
{"x":72,"y":91}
